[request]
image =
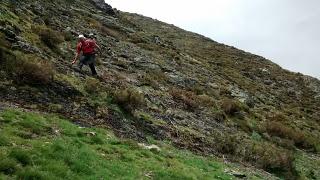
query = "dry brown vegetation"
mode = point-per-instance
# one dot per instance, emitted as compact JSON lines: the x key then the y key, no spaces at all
{"x":129,"y":99}
{"x":230,"y":107}
{"x":300,"y":138}
{"x":28,"y":69}
{"x":49,"y":37}
{"x":92,"y":85}
{"x":190,"y":100}
{"x":154,"y":78}
{"x":271,"y":158}
{"x":104,"y":29}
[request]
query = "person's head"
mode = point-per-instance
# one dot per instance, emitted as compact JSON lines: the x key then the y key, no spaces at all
{"x":81,"y":38}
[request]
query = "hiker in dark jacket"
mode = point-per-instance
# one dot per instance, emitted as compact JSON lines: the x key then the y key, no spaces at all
{"x":88,"y":49}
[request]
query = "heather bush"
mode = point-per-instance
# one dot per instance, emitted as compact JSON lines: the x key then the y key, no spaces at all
{"x":230,"y":107}
{"x":28,"y":68}
{"x":49,"y":37}
{"x":92,"y":85}
{"x":129,"y":99}
{"x":190,"y":100}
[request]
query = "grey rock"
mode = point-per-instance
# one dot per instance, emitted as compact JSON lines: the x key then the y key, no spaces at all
{"x":68,"y":29}
{"x":25,"y":46}
{"x":313,"y":84}
{"x":9,"y":32}
{"x":38,"y":20}
{"x":100,"y":4}
{"x":238,"y":93}
{"x":268,"y":82}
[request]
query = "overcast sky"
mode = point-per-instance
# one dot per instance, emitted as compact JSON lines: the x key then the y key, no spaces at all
{"x":284,"y":31}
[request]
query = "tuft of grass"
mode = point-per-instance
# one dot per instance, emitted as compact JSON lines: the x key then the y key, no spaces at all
{"x":72,"y":81}
{"x":299,"y":137}
{"x":34,"y":124}
{"x":28,"y":69}
{"x":55,"y":107}
{"x":32,"y":173}
{"x":129,"y":99}
{"x":271,"y":158}
{"x":68,"y":36}
{"x":106,"y":30}
{"x":307,"y":167}
{"x":147,"y":118}
{"x":154,"y":78}
{"x":8,"y":166}
{"x":4,"y":141}
{"x":21,"y":156}
{"x":230,"y":107}
{"x":190,"y":100}
{"x":92,"y":85}
{"x":49,"y":37}
{"x":226,"y":144}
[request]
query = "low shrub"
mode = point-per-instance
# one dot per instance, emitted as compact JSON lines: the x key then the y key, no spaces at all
{"x":8,"y":166}
{"x":277,"y":117}
{"x":284,"y":131}
{"x":68,"y":36}
{"x":311,"y":143}
{"x":271,"y":158}
{"x":4,"y":141}
{"x":190,"y":100}
{"x":218,"y":115}
{"x":28,"y":69}
{"x":154,"y":78}
{"x":3,"y":42}
{"x":55,"y":107}
{"x":129,"y":99}
{"x":300,"y":138}
{"x":49,"y":37}
{"x":21,"y":156}
{"x":110,"y":31}
{"x":92,"y":85}
{"x":30,"y":173}
{"x":33,"y":72}
{"x":227,"y":144}
{"x":230,"y":107}
{"x":198,"y":89}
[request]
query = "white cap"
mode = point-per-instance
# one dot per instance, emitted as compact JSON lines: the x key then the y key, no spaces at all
{"x":81,"y":36}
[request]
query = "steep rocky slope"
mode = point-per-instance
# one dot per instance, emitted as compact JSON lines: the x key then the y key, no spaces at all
{"x":159,"y":81}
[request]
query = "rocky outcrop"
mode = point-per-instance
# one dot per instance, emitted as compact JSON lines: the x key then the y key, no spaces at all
{"x":17,"y":42}
{"x":313,"y":84}
{"x":100,"y":4}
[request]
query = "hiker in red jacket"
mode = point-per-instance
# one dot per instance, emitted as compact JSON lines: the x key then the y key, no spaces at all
{"x":88,"y":48}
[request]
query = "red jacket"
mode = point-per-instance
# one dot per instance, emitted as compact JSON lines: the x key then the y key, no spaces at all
{"x":87,"y":46}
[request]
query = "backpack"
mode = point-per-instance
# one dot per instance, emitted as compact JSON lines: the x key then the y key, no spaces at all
{"x":88,"y":46}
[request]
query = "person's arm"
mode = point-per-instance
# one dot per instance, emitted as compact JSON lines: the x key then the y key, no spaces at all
{"x":98,"y":47}
{"x":77,"y":54}
{"x":75,"y":58}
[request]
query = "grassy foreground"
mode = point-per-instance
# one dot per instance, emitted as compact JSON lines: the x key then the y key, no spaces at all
{"x":34,"y":146}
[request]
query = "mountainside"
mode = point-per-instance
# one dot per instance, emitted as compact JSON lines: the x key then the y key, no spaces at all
{"x":161,"y":82}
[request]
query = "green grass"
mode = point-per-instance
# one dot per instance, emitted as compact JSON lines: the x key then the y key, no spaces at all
{"x":34,"y":146}
{"x":307,"y":168}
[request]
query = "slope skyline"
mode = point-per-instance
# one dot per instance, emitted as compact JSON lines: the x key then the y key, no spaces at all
{"x":283,"y":32}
